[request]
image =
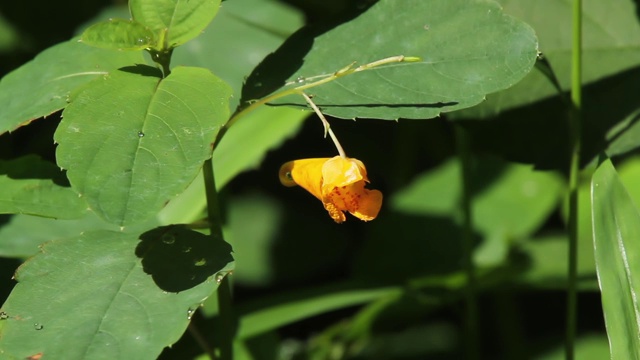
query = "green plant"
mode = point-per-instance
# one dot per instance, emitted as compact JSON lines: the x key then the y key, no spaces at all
{"x":157,"y":119}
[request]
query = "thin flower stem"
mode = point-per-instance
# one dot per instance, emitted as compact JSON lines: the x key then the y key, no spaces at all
{"x":575,"y":125}
{"x":464,"y":151}
{"x":327,"y":127}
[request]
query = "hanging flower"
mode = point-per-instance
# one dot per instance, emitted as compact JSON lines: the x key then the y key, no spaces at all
{"x":338,"y":182}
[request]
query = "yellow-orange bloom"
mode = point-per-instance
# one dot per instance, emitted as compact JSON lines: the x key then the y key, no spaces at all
{"x":338,"y":182}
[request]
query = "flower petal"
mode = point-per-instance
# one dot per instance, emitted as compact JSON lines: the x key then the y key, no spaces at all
{"x":338,"y":182}
{"x":339,"y":171}
{"x":369,"y":205}
{"x":360,"y":202}
{"x":304,"y":172}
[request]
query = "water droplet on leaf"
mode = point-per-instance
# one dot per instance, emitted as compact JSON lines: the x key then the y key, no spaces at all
{"x":186,"y":249}
{"x":140,"y":134}
{"x":38,"y":326}
{"x":168,"y":239}
{"x":201,"y":262}
{"x":3,"y":315}
{"x":219,"y":277}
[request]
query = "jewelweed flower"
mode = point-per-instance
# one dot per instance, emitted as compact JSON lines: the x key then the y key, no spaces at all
{"x":338,"y":182}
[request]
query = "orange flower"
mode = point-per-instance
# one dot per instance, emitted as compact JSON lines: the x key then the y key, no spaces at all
{"x":338,"y":182}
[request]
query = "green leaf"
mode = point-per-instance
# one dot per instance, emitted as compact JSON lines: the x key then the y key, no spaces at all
{"x":23,"y":234}
{"x":89,"y":298}
{"x":182,"y":20}
{"x":45,"y":83}
{"x":258,"y":28}
{"x":131,"y":141}
{"x":264,"y":315}
{"x":119,"y":34}
{"x":29,"y":185}
{"x":510,"y":202}
{"x":616,"y":229}
{"x":611,"y":44}
{"x":467,"y":48}
{"x":588,"y":347}
{"x":546,"y":260}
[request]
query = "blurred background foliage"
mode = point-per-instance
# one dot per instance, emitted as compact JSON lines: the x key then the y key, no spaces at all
{"x":308,"y":288}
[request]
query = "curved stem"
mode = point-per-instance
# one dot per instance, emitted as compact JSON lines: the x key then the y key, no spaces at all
{"x":574,"y":171}
{"x":325,"y":79}
{"x":225,"y":310}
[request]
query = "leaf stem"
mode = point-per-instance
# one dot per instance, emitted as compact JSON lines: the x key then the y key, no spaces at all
{"x":575,"y":124}
{"x":327,"y":127}
{"x":326,"y":78}
{"x":463,"y":144}
{"x":163,"y":59}
{"x":225,"y":310}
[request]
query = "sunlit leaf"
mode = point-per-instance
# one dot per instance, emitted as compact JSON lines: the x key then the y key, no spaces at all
{"x":611,"y":44}
{"x":131,"y":141}
{"x":45,"y":83}
{"x":88,"y":297}
{"x":616,"y":229}
{"x":455,"y":70}
{"x":118,"y":34}
{"x":182,"y":20}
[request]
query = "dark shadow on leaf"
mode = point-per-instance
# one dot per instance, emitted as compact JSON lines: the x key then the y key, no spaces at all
{"x":144,"y":70}
{"x":33,"y":167}
{"x":276,"y":69}
{"x":179,"y":258}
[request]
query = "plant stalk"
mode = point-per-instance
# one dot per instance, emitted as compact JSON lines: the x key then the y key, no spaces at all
{"x":225,"y":309}
{"x":471,"y":323}
{"x":575,"y":128}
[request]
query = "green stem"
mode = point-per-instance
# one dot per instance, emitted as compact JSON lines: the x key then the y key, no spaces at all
{"x":464,"y":151}
{"x":195,"y":333}
{"x":325,"y":79}
{"x":225,"y":310}
{"x":163,"y":59}
{"x":574,"y":133}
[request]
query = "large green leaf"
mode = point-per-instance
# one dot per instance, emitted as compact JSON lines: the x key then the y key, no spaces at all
{"x":468,"y":49}
{"x":182,"y":20}
{"x":131,"y":141}
{"x":89,"y":298}
{"x":22,"y":235}
{"x":118,"y":34}
{"x":29,"y":185}
{"x":616,"y":230}
{"x":43,"y":85}
{"x":611,"y":44}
